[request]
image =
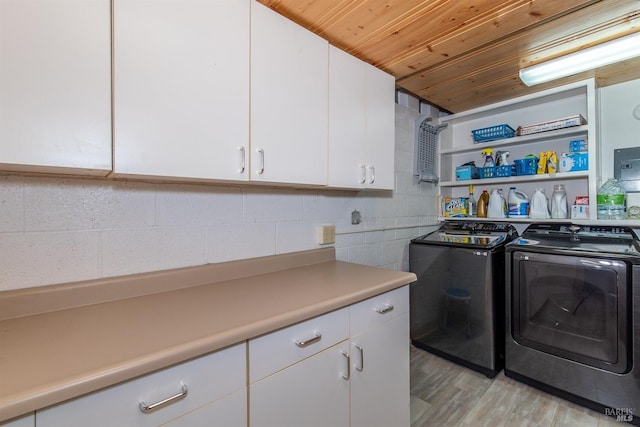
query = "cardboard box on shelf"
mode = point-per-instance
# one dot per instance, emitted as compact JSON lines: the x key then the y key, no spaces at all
{"x":570,"y":162}
{"x":565,"y":122}
{"x":456,"y":207}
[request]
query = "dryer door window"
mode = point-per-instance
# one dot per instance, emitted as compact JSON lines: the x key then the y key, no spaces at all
{"x":573,"y":307}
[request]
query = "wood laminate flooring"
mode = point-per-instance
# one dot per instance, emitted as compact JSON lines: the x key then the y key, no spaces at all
{"x":446,"y":394}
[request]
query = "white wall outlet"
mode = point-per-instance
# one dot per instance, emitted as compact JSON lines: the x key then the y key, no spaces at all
{"x":327,"y":234}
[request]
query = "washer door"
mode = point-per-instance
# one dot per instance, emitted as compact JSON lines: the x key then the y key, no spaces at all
{"x":573,"y":307}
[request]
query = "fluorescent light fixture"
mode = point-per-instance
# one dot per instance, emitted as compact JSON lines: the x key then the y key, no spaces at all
{"x":587,"y":59}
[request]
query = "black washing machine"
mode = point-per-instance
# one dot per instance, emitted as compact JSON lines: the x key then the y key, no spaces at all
{"x":573,"y":314}
{"x":457,"y":303}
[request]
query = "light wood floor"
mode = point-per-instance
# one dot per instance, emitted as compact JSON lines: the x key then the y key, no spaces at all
{"x":446,"y":394}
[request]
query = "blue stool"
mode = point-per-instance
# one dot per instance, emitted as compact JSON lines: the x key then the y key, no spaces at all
{"x":461,"y":295}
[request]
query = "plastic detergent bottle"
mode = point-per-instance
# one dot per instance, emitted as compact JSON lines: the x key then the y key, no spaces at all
{"x":496,"y":205}
{"x":483,"y":204}
{"x":539,"y":205}
{"x":518,"y":204}
{"x":611,"y":200}
{"x":559,"y":207}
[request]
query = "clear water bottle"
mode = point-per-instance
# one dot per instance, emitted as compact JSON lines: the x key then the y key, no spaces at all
{"x":611,"y":200}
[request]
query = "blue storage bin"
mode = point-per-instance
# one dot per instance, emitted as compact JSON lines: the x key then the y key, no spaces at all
{"x":493,"y":132}
{"x":528,"y":166}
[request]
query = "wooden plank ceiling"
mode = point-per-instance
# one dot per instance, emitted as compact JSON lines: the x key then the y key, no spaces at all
{"x":463,"y":54}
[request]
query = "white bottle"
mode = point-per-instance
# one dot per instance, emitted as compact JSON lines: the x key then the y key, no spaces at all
{"x":559,"y":208}
{"x":518,"y":204}
{"x":539,"y":205}
{"x":496,"y":205}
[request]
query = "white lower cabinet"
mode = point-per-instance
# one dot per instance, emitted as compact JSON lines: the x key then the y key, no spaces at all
{"x":380,"y":361}
{"x":311,"y":393}
{"x":346,"y":368}
{"x":215,"y":386}
{"x":362,"y":380}
{"x":27,"y":420}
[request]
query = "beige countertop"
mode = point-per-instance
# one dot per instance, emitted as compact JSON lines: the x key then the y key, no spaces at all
{"x":59,"y":342}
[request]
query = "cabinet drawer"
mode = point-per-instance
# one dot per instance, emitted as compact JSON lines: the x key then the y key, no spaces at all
{"x":379,"y":309}
{"x":207,"y":378}
{"x":277,"y":350}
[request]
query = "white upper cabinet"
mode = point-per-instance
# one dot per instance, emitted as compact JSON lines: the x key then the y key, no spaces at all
{"x":55,"y":86}
{"x":361,"y":124}
{"x":347,"y":118}
{"x":380,"y":129}
{"x":289,"y":100}
{"x":181,"y":89}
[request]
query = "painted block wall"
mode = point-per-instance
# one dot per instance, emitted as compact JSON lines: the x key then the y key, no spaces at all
{"x":57,"y":230}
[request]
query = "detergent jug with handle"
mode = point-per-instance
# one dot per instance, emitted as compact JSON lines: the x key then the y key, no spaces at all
{"x":539,"y":205}
{"x":496,"y":205}
{"x":518,"y":204}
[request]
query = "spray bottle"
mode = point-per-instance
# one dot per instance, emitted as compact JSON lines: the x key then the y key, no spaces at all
{"x":501,"y":158}
{"x":487,"y":153}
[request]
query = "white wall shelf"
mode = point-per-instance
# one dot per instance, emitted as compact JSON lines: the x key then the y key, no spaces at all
{"x":457,"y":146}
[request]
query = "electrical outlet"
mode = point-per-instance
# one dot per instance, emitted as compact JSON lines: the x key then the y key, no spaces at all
{"x":327,"y":234}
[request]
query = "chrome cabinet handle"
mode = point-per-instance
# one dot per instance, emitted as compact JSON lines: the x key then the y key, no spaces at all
{"x":363,"y":174}
{"x":149,"y":408}
{"x":373,"y":174}
{"x":348,"y":374}
{"x":261,"y":152}
{"x":243,"y":159}
{"x":385,"y":309}
{"x":306,"y":343}
{"x":360,"y":367}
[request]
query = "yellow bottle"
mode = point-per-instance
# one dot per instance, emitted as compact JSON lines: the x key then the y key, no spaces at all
{"x":483,"y":202}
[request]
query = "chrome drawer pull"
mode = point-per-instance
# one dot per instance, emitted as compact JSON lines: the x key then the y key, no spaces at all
{"x":385,"y":310}
{"x":149,"y":408}
{"x":306,"y":343}
{"x":348,"y":374}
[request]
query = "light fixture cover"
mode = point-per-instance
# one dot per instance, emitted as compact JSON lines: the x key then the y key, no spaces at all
{"x":587,"y":59}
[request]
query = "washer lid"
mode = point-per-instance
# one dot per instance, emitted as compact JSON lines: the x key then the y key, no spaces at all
{"x":469,"y":233}
{"x":587,"y":238}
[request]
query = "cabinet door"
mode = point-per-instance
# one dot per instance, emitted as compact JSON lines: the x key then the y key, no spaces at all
{"x":208,"y":379}
{"x":380,"y":129}
{"x":380,"y":375}
{"x":289,"y":100}
{"x":311,"y":393}
{"x":347,"y":89}
{"x":55,"y":86}
{"x":380,"y":360}
{"x":22,"y":421}
{"x":181,"y":88}
{"x":361,"y":124}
